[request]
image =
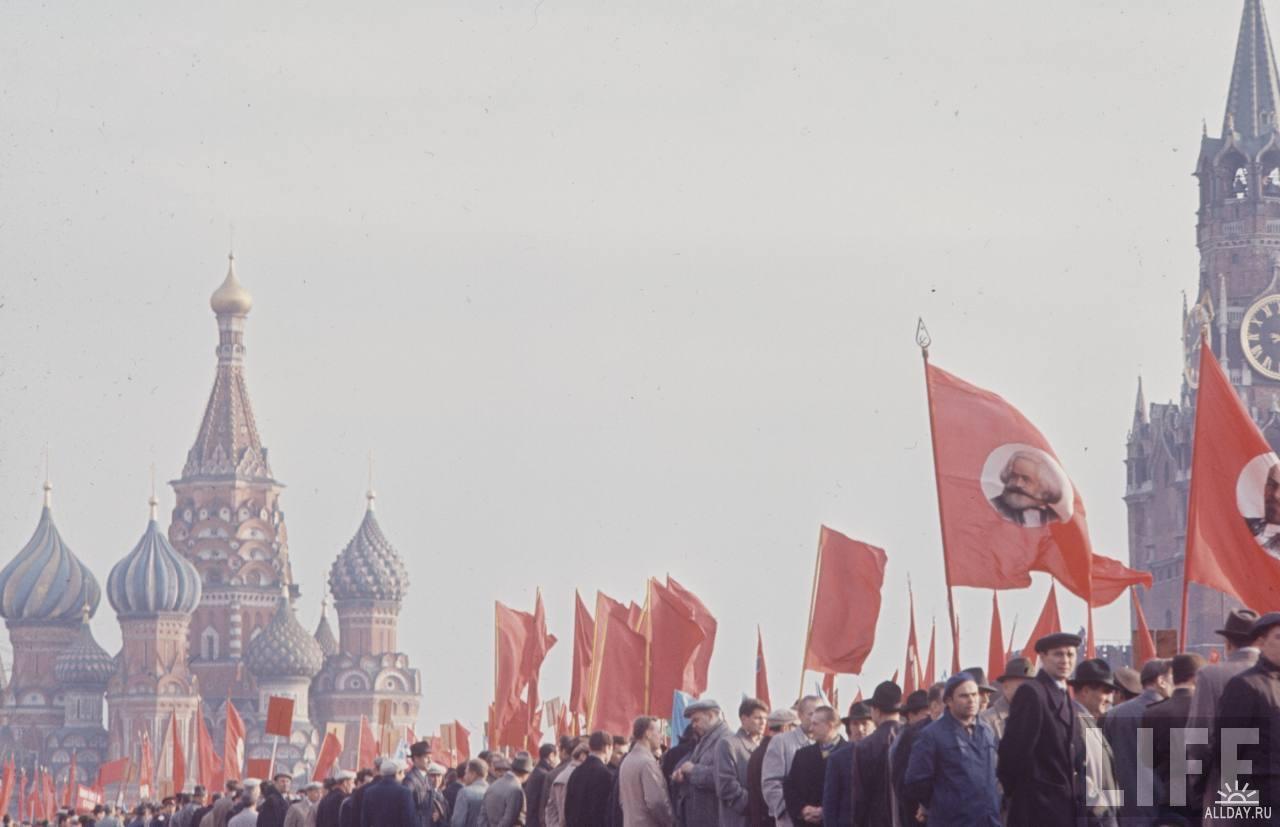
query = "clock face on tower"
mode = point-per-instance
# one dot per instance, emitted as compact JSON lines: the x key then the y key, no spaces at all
{"x":1260,"y":336}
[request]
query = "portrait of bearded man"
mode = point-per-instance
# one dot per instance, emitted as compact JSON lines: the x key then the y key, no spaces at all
{"x":1032,"y":487}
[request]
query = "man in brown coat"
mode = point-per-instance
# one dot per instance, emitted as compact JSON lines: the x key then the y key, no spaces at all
{"x":642,"y":789}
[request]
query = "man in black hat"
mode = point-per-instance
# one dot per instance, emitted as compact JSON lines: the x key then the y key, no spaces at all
{"x":916,"y":710}
{"x":1095,"y":688}
{"x":1252,"y":699}
{"x":1211,"y":680}
{"x":1016,"y":672}
{"x":873,"y":804}
{"x":1039,"y":758}
{"x":428,"y":801}
{"x":837,"y":786}
{"x":1121,"y":726}
{"x":1162,"y":719}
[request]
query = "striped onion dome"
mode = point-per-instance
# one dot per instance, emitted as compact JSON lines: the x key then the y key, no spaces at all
{"x":84,"y":662}
{"x":369,"y":568}
{"x":45,"y":581}
{"x":284,"y":649}
{"x":324,"y":633}
{"x":153,"y":578}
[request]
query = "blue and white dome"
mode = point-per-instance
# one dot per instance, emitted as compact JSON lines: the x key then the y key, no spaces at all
{"x":369,"y":568}
{"x":153,"y":578}
{"x":45,"y":581}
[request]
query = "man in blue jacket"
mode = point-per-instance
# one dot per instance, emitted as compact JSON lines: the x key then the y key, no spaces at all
{"x":951,"y":775}
{"x":387,"y":802}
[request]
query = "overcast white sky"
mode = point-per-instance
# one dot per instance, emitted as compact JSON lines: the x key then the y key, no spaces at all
{"x":610,"y":290}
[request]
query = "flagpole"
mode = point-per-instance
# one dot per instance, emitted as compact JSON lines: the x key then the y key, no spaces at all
{"x":923,"y":340}
{"x":1205,"y":348}
{"x":813,"y":600}
{"x":648,"y":645}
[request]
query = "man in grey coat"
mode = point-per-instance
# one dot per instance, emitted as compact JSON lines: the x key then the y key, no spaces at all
{"x":695,"y":779}
{"x":1120,"y":725}
{"x":1016,"y":672}
{"x":1211,"y":680}
{"x":503,"y":803}
{"x":642,"y":789}
{"x":777,"y":761}
{"x":467,"y":806}
{"x":732,"y":756}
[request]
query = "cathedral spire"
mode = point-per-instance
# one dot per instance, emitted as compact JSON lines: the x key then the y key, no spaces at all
{"x":1254,"y":96}
{"x":1140,"y":406}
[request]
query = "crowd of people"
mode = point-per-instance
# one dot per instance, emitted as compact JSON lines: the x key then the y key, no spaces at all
{"x":1066,"y":743}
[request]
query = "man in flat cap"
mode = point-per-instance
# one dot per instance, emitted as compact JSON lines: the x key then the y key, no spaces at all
{"x":803,"y":787}
{"x":302,"y":812}
{"x":386,"y":802}
{"x":1095,"y":688}
{"x":427,"y":798}
{"x":1162,"y":719}
{"x":695,"y":779}
{"x":1016,"y":672}
{"x":951,"y":776}
{"x":872,"y":793}
{"x":1040,"y":762}
{"x":781,"y":754}
{"x":1121,"y":726}
{"x":1211,"y":680}
{"x":779,"y":723}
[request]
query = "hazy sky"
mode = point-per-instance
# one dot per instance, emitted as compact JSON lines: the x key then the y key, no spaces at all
{"x":610,"y":290}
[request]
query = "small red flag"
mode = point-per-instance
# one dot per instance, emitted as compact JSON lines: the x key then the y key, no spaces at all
{"x":330,"y":750}
{"x":258,"y":768}
{"x":279,"y":716}
{"x":367,"y":745}
{"x":695,"y":679}
{"x":209,"y":761}
{"x":1047,"y":624}
{"x":995,"y":646}
{"x":461,"y":742}
{"x":69,"y":789}
{"x":674,"y":637}
{"x":512,"y":630}
{"x":1144,"y":646}
{"x":619,"y":676}
{"x":584,"y":632}
{"x":829,"y":686}
{"x":1233,"y":510}
{"x":232,"y":744}
{"x":911,"y":670}
{"x":846,"y":604}
{"x":112,"y":772}
{"x":762,"y":671}
{"x":179,"y":755}
{"x":930,"y":673}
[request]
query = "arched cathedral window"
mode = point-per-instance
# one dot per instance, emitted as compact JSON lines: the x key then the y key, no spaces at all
{"x":209,"y":643}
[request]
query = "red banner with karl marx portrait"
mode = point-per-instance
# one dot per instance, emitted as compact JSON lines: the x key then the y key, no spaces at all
{"x":1233,"y":512}
{"x":1007,"y":506}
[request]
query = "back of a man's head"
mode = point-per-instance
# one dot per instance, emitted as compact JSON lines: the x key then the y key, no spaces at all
{"x":599,"y":741}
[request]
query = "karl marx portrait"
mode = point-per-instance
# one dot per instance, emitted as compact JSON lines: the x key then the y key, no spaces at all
{"x":1032,"y":489}
{"x":1266,"y":529}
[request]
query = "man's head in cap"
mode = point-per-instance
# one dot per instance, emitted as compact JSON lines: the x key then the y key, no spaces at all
{"x":1094,"y":686}
{"x":886,"y":703}
{"x":1237,"y":630}
{"x":313,"y":791}
{"x":346,"y":780}
{"x":917,"y":706}
{"x":1016,"y":672}
{"x":1058,"y":653}
{"x":1266,"y":634}
{"x":860,"y":722}
{"x":390,"y":767}
{"x":420,"y":754}
{"x":962,"y":697}
{"x":783,"y":720}
{"x":1129,"y":683}
{"x":703,"y":715}
{"x":521,"y":766}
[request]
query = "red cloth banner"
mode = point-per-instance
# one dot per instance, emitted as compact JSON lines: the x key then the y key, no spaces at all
{"x":86,"y":798}
{"x":584,"y":632}
{"x":911,"y":672}
{"x":179,"y":769}
{"x":366,"y":745}
{"x":846,"y":604}
{"x":1111,"y":578}
{"x":696,"y":674}
{"x":461,"y":742}
{"x":232,"y":744}
{"x":209,"y":761}
{"x":279,"y":716}
{"x":259,"y":768}
{"x":330,"y":751}
{"x":1046,"y":624}
{"x":762,"y":672}
{"x":674,"y":641}
{"x":618,"y":692}
{"x":930,"y":673}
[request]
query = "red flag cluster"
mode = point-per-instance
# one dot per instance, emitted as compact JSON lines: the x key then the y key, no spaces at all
{"x":521,"y":644}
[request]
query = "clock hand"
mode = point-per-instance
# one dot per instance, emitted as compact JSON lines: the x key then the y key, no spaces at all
{"x":1275,"y":338}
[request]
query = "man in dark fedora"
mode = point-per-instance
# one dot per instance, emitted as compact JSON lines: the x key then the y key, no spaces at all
{"x":916,"y":712}
{"x":1211,"y":680}
{"x":1121,"y":726}
{"x":1095,"y":688}
{"x":1016,"y":672}
{"x":873,"y":800}
{"x":1040,"y":761}
{"x":1252,"y":700}
{"x":428,"y":800}
{"x":1162,"y":719}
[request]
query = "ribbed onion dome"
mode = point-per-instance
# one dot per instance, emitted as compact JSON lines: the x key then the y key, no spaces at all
{"x":153,"y":578}
{"x":231,"y":297}
{"x":284,"y":649}
{"x":46,"y":581}
{"x":369,"y":568}
{"x":324,"y":633}
{"x":84,"y":662}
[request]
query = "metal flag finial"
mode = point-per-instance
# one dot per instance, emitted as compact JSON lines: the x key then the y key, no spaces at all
{"x":923,"y":339}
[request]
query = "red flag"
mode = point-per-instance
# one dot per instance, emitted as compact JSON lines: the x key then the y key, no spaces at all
{"x":930,"y":674}
{"x":232,"y":744}
{"x":48,"y":798}
{"x":829,"y":686}
{"x":330,"y":750}
{"x":1007,"y":507}
{"x":511,"y":630}
{"x":995,"y":646}
{"x":6,"y":786}
{"x":618,"y":694}
{"x":69,"y":791}
{"x":535,"y":653}
{"x":111,"y":772}
{"x":147,"y":772}
{"x":279,"y":716}
{"x":259,"y":768}
{"x":911,"y":670}
{"x":762,"y":671}
{"x":210,"y":763}
{"x":696,"y":675}
{"x":1047,"y":624}
{"x":635,"y":615}
{"x":1144,"y":646}
{"x":1111,"y":578}
{"x":584,"y":632}
{"x":674,"y":638}
{"x":366,"y":745}
{"x":179,"y":755}
{"x":1233,"y":511}
{"x":462,"y":742}
{"x":846,"y":604}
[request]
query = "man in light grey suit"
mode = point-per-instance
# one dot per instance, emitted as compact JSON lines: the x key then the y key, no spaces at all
{"x":695,"y":779}
{"x":467,"y":806}
{"x":642,"y":790}
{"x":777,"y":761}
{"x":1120,"y":725}
{"x":732,"y":756}
{"x":1242,"y":654}
{"x":503,"y":804}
